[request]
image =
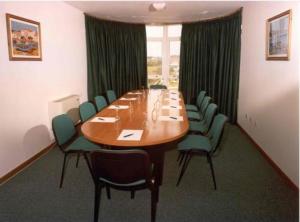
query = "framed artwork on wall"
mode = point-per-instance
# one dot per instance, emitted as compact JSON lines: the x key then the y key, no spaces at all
{"x":279,"y":36}
{"x":24,"y":39}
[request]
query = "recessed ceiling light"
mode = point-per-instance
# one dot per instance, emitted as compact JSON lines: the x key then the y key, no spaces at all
{"x":157,"y":6}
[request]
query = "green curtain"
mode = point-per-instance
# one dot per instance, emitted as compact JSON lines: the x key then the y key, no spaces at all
{"x":116,"y":56}
{"x":210,"y":61}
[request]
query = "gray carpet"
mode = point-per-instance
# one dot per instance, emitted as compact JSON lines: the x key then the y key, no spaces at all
{"x":248,"y":190}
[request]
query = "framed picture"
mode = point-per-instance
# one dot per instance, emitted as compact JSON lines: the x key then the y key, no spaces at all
{"x":24,"y":39}
{"x":278,"y":36}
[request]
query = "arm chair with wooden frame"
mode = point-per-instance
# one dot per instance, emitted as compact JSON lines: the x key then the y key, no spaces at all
{"x":67,"y":140}
{"x":199,"y":115}
{"x":100,"y":102}
{"x":86,"y":111}
{"x":196,"y":107}
{"x":203,"y":145}
{"x":127,"y":170}
{"x":111,"y":96}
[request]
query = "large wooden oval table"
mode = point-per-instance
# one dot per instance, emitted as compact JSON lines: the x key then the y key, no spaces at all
{"x":143,"y":114}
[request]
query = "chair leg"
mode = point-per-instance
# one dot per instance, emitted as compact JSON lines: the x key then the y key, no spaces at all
{"x":63,"y":171}
{"x":212,"y":169}
{"x":97,"y":201}
{"x":108,"y":192}
{"x":184,"y":167}
{"x":132,"y":194}
{"x":153,"y":204}
{"x":77,"y":162}
{"x":88,"y":163}
{"x":181,"y":158}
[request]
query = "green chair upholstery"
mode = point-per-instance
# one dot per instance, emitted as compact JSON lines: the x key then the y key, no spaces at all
{"x":111,"y":96}
{"x":195,"y":108}
{"x":200,"y":114}
{"x":100,"y":102}
{"x":66,"y":138}
{"x":158,"y":86}
{"x":86,"y":111}
{"x":198,"y":144}
{"x":203,"y":125}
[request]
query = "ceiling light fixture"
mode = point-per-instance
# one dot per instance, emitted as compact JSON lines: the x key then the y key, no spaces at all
{"x":157,"y":6}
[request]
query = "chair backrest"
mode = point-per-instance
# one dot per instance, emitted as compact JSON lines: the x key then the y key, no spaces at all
{"x":205,"y":104}
{"x":121,"y":166}
{"x":63,"y":129}
{"x":86,"y":111}
{"x":200,"y":98}
{"x":158,"y":86}
{"x":100,"y":102}
{"x":111,"y":96}
{"x":216,"y":131}
{"x":209,"y":114}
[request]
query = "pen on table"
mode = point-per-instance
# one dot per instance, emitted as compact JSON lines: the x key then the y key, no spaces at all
{"x":173,"y":106}
{"x":172,"y":117}
{"x":173,"y":98}
{"x":100,"y":118}
{"x":128,"y":135}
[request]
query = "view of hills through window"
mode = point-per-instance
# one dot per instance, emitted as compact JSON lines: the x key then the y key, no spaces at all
{"x":163,"y":52}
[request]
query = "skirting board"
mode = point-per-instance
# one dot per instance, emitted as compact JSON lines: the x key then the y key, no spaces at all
{"x":273,"y":164}
{"x":22,"y":166}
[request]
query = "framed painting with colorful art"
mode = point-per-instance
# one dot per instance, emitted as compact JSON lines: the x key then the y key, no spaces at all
{"x":279,"y":36}
{"x":24,"y":39}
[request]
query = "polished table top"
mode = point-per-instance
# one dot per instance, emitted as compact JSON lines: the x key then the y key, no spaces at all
{"x":142,"y":114}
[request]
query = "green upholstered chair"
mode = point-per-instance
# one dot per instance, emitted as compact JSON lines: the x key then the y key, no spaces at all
{"x":203,"y":145}
{"x":195,"y":108}
{"x":127,"y":170}
{"x":100,"y":102}
{"x":67,"y":140}
{"x":111,"y":96}
{"x":158,"y":86}
{"x":199,"y":115}
{"x":86,"y":111}
{"x":203,"y":125}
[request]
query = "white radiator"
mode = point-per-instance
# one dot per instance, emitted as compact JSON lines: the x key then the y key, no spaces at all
{"x":68,"y":105}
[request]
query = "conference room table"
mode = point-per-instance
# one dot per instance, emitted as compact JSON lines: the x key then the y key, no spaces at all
{"x":151,"y":120}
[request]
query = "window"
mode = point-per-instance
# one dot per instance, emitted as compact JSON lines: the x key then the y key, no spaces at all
{"x":163,"y":51}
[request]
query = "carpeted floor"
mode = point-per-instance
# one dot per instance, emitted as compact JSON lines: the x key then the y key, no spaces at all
{"x":248,"y":190}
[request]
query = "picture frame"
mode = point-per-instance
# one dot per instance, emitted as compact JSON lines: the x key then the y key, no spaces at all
{"x":278,"y":36}
{"x":24,"y":39}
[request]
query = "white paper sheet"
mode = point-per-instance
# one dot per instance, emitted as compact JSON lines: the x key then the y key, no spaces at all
{"x":128,"y":99}
{"x":170,"y":118}
{"x":101,"y":119}
{"x":172,"y":107}
{"x":134,"y":93}
{"x":130,"y":135}
{"x":118,"y":107}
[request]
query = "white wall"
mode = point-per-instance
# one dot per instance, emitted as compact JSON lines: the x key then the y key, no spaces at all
{"x":26,"y":87}
{"x":269,"y":90}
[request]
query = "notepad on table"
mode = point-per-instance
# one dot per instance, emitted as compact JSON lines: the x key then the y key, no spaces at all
{"x":134,"y":93}
{"x":129,"y":99}
{"x":170,"y":118}
{"x":172,"y":107}
{"x":104,"y":119}
{"x":130,"y":135}
{"x":118,"y":107}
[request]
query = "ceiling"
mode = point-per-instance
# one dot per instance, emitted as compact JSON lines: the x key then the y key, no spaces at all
{"x":138,"y":11}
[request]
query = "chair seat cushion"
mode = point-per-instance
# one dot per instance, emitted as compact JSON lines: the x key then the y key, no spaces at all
{"x":194,"y":115}
{"x":191,"y":107}
{"x":136,"y":183}
{"x":197,"y":126}
{"x":195,"y":142}
{"x":83,"y":144}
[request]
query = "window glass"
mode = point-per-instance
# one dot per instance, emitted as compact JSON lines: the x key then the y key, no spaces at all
{"x":154,"y":31}
{"x":154,"y":62}
{"x":174,"y":30}
{"x":174,"y":64}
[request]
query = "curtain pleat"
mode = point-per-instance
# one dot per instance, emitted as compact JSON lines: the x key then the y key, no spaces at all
{"x":116,"y":56}
{"x":210,"y":61}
